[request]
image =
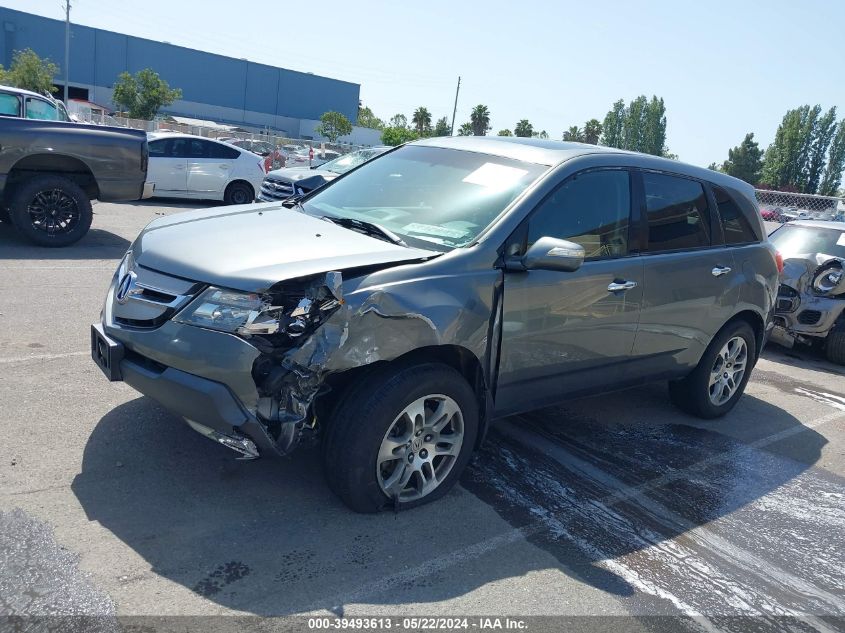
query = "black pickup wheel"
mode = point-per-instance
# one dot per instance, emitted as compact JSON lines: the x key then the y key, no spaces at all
{"x":50,"y":210}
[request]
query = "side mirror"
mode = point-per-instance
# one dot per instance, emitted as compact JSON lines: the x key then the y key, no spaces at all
{"x":549,"y":253}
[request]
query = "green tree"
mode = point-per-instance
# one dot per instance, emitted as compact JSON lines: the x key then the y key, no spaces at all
{"x":803,"y":145}
{"x":397,"y":135}
{"x":640,"y":126}
{"x":442,"y":127}
{"x":614,"y":124}
{"x":714,"y":167}
{"x":333,"y":125}
{"x":592,"y":131}
{"x":367,"y":119}
{"x":30,"y":72}
{"x":143,"y":94}
{"x":422,"y":121}
{"x":480,"y":120}
{"x":744,"y":161}
{"x":541,"y":134}
{"x":398,"y":120}
{"x":574,"y":134}
{"x":505,"y":132}
{"x":835,"y":163}
{"x":524,"y":129}
{"x":465,"y":129}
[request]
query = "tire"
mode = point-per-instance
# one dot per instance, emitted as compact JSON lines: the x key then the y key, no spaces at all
{"x":50,"y":210}
{"x":834,"y":347}
{"x":693,"y":393}
{"x":371,"y":417}
{"x":239,"y":193}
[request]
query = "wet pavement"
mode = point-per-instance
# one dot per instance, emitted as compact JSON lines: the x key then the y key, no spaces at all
{"x":612,"y":506}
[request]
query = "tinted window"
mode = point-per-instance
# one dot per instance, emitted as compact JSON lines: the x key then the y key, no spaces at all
{"x":737,"y":228}
{"x":591,"y":209}
{"x":38,"y":109}
{"x":157,"y":148}
{"x":677,"y":213}
{"x":9,"y":105}
{"x":198,"y":149}
{"x":216,"y":150}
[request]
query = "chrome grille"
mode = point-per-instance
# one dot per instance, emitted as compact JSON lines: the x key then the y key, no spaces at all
{"x":275,"y":189}
{"x":150,"y":298}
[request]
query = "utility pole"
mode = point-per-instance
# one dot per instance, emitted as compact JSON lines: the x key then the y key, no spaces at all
{"x":455,"y":110}
{"x":67,"y":46}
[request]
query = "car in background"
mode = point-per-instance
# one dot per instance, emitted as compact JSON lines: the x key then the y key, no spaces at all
{"x":25,"y":104}
{"x":790,"y":214}
{"x":274,"y":158}
{"x":810,"y":306}
{"x":189,"y":166}
{"x":302,"y":157}
{"x":283,"y":183}
{"x":771,"y":214}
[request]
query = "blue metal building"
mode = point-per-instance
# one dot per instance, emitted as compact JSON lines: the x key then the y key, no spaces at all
{"x":223,"y":89}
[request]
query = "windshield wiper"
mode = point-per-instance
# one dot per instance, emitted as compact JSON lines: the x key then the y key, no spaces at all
{"x":367,"y":228}
{"x":293,"y":201}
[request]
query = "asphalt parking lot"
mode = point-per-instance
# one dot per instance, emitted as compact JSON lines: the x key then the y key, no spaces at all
{"x":617,"y":505}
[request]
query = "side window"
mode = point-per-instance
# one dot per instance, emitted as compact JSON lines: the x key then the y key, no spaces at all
{"x":198,"y":149}
{"x":157,"y":148}
{"x":38,"y":109}
{"x":591,"y":209}
{"x":677,"y":213}
{"x":10,"y":105}
{"x":737,"y":228}
{"x":177,"y":148}
{"x":221,"y":151}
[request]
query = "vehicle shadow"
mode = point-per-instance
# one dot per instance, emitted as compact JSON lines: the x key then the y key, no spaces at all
{"x":96,"y":244}
{"x":267,"y":537}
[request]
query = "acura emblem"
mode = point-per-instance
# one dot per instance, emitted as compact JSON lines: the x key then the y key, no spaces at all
{"x":125,"y":287}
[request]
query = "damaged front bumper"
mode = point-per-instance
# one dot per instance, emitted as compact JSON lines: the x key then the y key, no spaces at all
{"x":243,"y":392}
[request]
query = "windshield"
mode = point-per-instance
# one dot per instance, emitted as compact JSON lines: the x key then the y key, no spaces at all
{"x":348,"y":161}
{"x":805,"y":240}
{"x":431,"y":195}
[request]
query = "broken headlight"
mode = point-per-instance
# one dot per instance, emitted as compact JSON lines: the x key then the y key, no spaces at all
{"x":251,"y":314}
{"x":829,"y":279}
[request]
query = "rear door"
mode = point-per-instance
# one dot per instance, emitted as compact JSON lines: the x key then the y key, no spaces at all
{"x":210,"y":167}
{"x":168,"y":165}
{"x":691,"y":282}
{"x":569,"y":332}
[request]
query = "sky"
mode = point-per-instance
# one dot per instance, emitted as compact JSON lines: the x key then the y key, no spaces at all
{"x":723,"y":68}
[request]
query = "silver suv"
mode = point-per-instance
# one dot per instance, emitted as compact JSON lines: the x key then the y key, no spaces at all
{"x":396,"y":311}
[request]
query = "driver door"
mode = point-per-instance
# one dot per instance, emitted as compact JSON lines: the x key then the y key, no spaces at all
{"x":566,"y":333}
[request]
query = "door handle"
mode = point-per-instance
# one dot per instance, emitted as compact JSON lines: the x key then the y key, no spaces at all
{"x":718,"y":271}
{"x":621,"y":286}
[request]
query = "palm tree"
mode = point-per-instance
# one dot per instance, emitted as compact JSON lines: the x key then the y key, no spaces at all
{"x":480,"y":120}
{"x":574,"y":134}
{"x":524,"y":129}
{"x":465,"y":129}
{"x":592,"y":131}
{"x":422,"y":121}
{"x":505,"y":132}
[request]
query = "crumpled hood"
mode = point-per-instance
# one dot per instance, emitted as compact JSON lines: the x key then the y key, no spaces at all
{"x":251,"y":247}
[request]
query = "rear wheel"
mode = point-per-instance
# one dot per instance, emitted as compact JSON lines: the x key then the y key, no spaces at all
{"x":239,"y":193}
{"x":51,"y":210}
{"x":718,"y":382}
{"x":402,"y":439}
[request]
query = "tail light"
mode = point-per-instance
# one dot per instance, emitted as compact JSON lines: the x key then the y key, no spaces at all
{"x":779,"y":262}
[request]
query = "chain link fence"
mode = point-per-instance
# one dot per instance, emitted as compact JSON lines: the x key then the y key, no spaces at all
{"x":782,"y":206}
{"x":223,"y":132}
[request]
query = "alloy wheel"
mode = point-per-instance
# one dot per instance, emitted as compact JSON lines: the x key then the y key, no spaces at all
{"x":420,"y":448}
{"x":728,"y":370}
{"x":53,"y":211}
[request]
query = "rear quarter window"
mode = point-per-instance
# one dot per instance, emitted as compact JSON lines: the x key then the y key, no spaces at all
{"x":735,"y":224}
{"x":218,"y":150}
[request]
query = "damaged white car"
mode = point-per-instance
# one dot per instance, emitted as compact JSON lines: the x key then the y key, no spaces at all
{"x":811,"y":297}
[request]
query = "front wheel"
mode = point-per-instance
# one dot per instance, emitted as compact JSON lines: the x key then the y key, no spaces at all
{"x":402,"y":439}
{"x":718,"y":381}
